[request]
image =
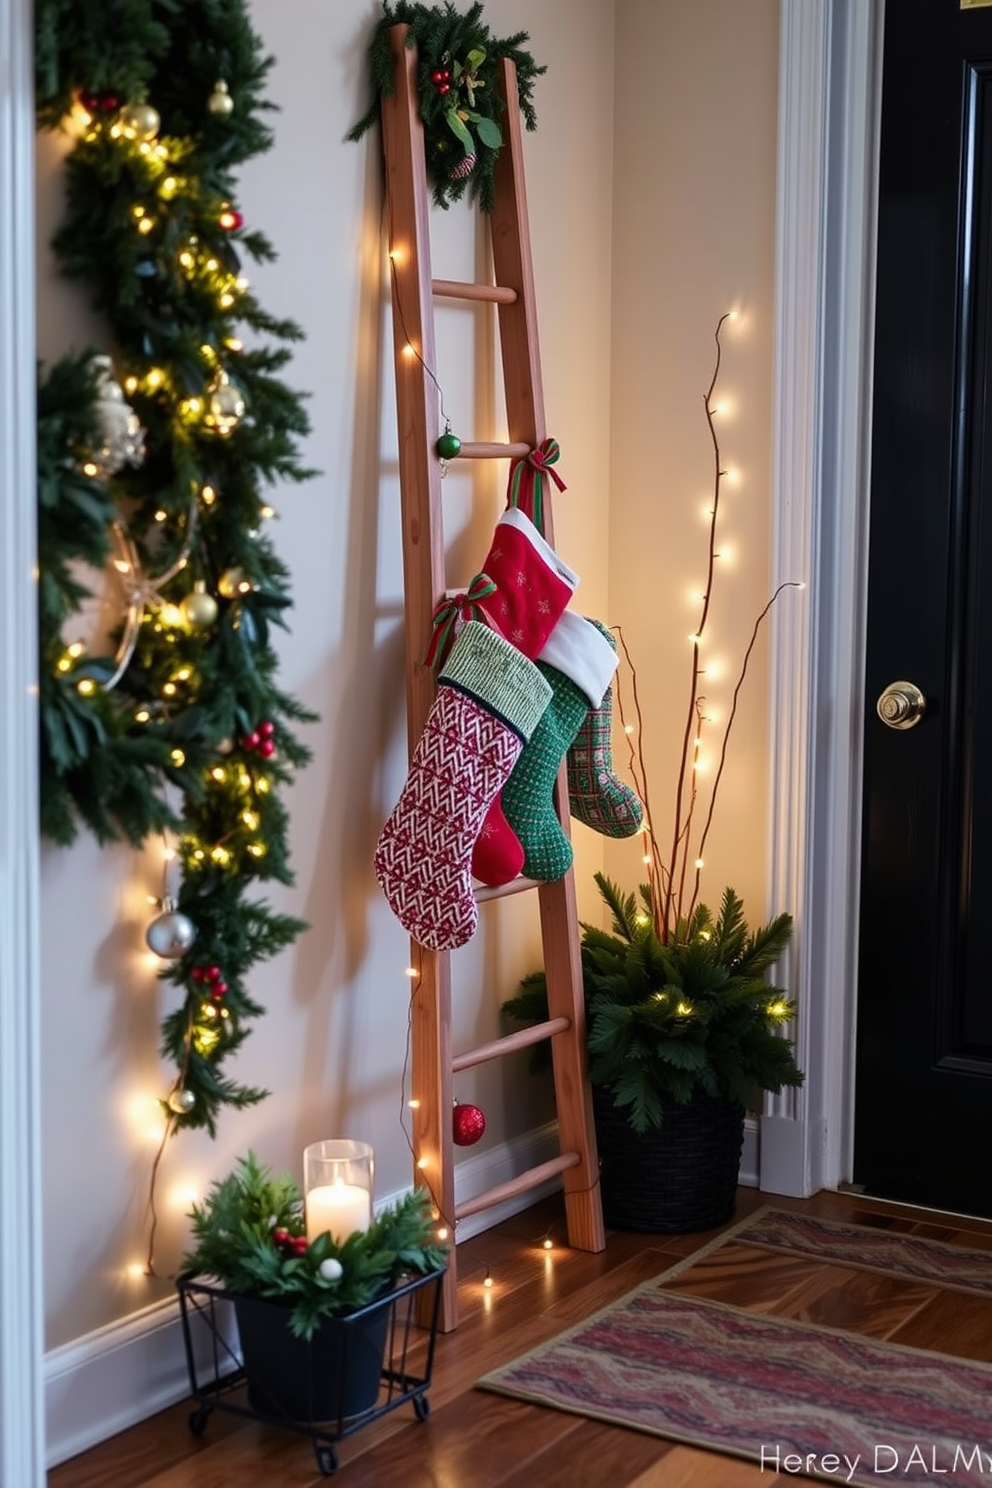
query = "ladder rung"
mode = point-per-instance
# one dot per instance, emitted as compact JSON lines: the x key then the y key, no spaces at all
{"x":522,"y":1184}
{"x":454,"y":289}
{"x":473,"y":451}
{"x":500,"y":891}
{"x":522,"y":1039}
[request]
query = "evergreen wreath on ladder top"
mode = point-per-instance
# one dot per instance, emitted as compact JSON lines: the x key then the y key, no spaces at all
{"x":184,"y":730}
{"x":460,"y":105}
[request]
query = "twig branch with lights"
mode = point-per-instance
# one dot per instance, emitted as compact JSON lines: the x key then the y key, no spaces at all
{"x":674,"y":886}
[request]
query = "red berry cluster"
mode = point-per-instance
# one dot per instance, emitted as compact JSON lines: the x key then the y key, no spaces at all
{"x":261,"y":739}
{"x":289,"y":1244}
{"x":441,"y":78}
{"x":100,"y":103}
{"x":214,"y":979}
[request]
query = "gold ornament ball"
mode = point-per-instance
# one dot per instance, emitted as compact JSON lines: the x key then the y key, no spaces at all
{"x":199,"y":608}
{"x":139,"y":121}
{"x":226,"y":407}
{"x":181,"y":1102}
{"x":233,"y":583}
{"x":220,"y":101}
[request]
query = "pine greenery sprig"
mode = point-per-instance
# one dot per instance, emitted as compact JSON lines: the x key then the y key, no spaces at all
{"x":237,"y":1232}
{"x":152,"y":233}
{"x":457,"y":87}
{"x":667,"y":1022}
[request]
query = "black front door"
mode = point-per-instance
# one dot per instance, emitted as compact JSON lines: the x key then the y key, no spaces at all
{"x":923,"y":1115}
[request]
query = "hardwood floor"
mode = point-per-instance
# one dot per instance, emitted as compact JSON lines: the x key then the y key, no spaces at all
{"x":474,"y":1439}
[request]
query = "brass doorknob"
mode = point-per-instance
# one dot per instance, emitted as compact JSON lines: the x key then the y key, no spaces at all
{"x":901,"y":705}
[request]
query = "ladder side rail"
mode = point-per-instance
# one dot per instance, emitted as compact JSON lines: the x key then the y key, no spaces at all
{"x":417,"y":415}
{"x":559,"y":914}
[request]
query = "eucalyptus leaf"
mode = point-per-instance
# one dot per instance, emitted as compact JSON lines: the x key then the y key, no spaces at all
{"x":489,"y":133}
{"x":459,"y":131}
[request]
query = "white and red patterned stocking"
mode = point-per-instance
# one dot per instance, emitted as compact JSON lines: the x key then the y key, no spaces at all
{"x":489,"y":699}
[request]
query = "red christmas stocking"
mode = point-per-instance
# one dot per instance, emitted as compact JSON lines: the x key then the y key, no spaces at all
{"x":522,"y":591}
{"x":489,"y":699}
{"x":533,"y":585}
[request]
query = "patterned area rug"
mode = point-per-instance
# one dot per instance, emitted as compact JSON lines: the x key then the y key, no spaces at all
{"x":914,"y":1257}
{"x":794,"y":1397}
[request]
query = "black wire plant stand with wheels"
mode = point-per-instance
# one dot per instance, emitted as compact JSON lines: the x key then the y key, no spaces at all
{"x":353,"y":1370}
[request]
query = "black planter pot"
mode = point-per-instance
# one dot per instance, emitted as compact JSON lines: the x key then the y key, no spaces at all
{"x":677,"y":1179}
{"x":332,"y":1376}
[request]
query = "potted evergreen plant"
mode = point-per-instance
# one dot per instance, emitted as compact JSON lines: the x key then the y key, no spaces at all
{"x":312,"y":1315}
{"x":682,"y":1037}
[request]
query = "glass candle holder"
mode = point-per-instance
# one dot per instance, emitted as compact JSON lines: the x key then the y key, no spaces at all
{"x":337,"y":1181}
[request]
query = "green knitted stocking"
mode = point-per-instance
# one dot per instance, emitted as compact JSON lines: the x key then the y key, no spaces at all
{"x":527,"y":799}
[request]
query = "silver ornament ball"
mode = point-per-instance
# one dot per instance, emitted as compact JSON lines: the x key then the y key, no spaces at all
{"x":122,"y":439}
{"x":181,"y":1102}
{"x":171,"y":933}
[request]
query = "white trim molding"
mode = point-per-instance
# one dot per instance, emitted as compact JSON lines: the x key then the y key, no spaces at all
{"x":21,"y":1397}
{"x":829,"y":91}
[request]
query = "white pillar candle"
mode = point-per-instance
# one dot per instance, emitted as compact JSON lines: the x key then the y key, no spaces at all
{"x":339,"y":1207}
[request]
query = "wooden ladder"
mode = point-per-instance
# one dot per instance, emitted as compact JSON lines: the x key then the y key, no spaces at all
{"x":432,"y":1063}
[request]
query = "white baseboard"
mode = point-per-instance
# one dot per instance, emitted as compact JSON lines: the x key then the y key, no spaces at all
{"x":111,"y":1378}
{"x":125,"y":1372}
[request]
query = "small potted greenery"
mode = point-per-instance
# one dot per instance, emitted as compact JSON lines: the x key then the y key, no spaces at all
{"x":312,"y":1316}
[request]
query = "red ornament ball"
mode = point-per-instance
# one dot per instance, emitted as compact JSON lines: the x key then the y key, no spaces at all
{"x":266,"y":748}
{"x":99,"y":103}
{"x":467,"y":1124}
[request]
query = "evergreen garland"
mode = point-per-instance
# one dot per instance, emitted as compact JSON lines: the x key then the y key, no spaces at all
{"x":457,"y":85}
{"x":196,"y":736}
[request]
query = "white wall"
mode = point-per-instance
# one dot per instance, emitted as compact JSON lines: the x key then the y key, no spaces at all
{"x":331,"y":1046}
{"x":651,"y":191}
{"x":694,"y":223}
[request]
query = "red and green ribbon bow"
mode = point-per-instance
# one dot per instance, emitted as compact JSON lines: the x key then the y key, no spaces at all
{"x":526,"y":488}
{"x":451,"y":614}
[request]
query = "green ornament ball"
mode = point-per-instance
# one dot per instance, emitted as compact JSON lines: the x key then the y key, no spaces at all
{"x":448,"y":445}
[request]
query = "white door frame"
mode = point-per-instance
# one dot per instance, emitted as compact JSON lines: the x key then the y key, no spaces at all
{"x":22,"y":1435}
{"x":829,"y":94}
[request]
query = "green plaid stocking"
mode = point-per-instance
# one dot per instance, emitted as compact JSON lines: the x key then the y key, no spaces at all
{"x":595,"y":796}
{"x":527,"y":799}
